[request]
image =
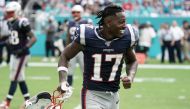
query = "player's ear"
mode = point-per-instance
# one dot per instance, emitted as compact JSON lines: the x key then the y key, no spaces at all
{"x":108,"y":25}
{"x":108,"y":22}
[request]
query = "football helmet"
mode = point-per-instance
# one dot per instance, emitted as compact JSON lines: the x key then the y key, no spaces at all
{"x":44,"y":100}
{"x":77,"y":8}
{"x":76,"y":11}
{"x":12,"y":10}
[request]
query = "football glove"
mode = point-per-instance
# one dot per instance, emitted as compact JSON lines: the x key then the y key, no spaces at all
{"x":65,"y":90}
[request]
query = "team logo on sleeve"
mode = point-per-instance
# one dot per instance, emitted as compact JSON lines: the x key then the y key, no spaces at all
{"x":72,"y":30}
{"x":25,"y":23}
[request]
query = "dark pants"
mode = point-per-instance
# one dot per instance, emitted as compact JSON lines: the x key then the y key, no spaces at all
{"x":177,"y":47}
{"x":49,"y":48}
{"x":142,"y":49}
{"x":167,"y":45}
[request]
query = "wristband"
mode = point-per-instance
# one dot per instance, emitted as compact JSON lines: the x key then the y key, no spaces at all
{"x":62,"y":68}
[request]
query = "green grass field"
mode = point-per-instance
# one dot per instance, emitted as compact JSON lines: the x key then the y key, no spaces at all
{"x":153,"y":89}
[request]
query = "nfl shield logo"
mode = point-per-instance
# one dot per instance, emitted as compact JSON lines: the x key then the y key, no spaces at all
{"x":107,"y":43}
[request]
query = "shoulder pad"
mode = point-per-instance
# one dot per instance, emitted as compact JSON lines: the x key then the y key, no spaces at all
{"x":134,"y":34}
{"x":23,"y":22}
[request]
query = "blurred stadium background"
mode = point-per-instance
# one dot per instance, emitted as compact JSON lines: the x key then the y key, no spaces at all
{"x":157,"y":86}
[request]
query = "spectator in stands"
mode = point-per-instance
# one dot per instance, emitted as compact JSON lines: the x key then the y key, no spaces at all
{"x":177,"y":40}
{"x":146,"y":8}
{"x":165,"y":42}
{"x":50,"y":31}
{"x":186,"y":45}
{"x":177,"y":8}
{"x":136,"y":9}
{"x":186,"y":8}
{"x":128,"y":5}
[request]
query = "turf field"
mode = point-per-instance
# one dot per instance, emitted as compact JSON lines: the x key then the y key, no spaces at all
{"x":154,"y":88}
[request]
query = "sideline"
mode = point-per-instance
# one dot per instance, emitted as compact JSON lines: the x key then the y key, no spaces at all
{"x":141,"y":66}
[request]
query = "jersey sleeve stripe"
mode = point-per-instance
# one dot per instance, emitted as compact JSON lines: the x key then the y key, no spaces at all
{"x":20,"y":23}
{"x":132,"y":34}
{"x":82,"y":34}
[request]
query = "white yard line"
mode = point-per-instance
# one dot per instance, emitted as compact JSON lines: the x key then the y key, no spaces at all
{"x":77,"y":107}
{"x":181,"y":97}
{"x":141,"y":66}
{"x":39,"y":78}
{"x":42,"y":64}
{"x":155,"y":79}
{"x":164,"y":66}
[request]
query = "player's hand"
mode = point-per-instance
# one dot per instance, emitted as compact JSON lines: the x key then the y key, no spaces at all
{"x":65,"y":90}
{"x":126,"y":82}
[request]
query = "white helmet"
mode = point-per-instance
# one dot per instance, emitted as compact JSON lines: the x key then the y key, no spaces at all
{"x":77,"y":8}
{"x":12,"y":10}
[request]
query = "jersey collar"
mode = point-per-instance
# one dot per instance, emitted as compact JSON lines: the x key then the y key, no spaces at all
{"x":99,"y":37}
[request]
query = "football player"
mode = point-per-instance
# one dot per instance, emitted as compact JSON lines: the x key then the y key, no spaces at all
{"x":76,"y":12}
{"x":105,"y":49}
{"x":20,"y":40}
{"x":4,"y":33}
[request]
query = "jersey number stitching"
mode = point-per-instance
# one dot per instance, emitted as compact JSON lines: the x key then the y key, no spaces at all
{"x":14,"y":40}
{"x":108,"y":58}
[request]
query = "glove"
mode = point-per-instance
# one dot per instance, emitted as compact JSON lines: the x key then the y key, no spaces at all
{"x":20,"y":52}
{"x":65,"y":90}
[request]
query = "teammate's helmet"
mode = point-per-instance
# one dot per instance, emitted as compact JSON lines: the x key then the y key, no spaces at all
{"x":77,"y":10}
{"x":12,"y":10}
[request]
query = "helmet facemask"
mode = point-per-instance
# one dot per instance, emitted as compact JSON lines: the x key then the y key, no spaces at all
{"x":77,"y":11}
{"x":12,"y":11}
